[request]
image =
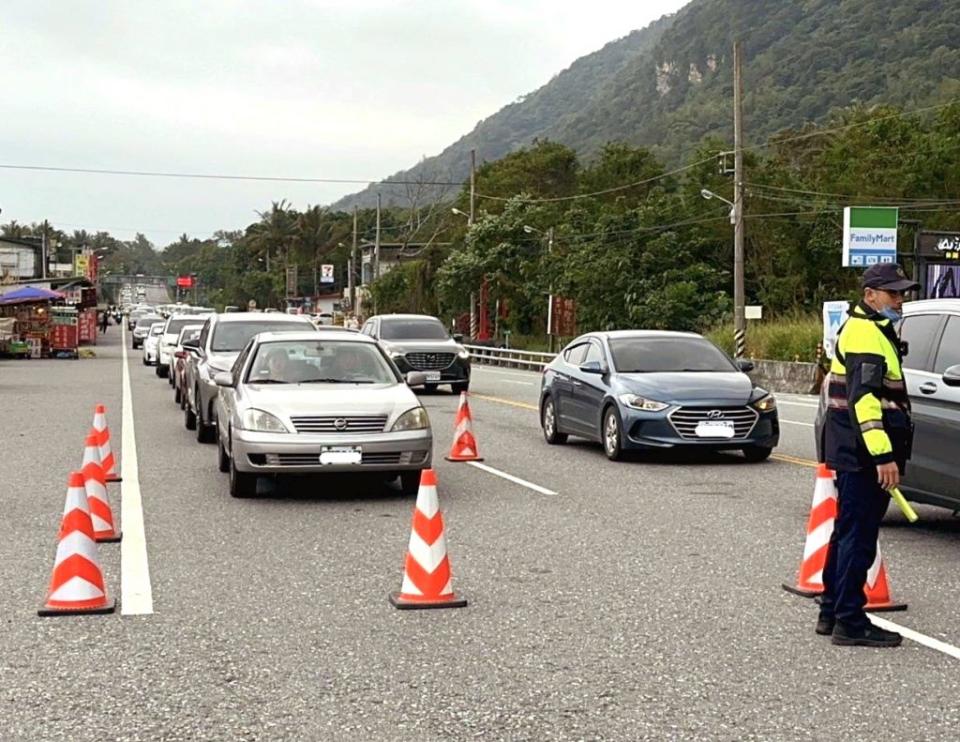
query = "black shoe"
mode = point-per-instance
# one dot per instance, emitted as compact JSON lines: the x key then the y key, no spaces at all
{"x":825,"y":625}
{"x":870,"y":636}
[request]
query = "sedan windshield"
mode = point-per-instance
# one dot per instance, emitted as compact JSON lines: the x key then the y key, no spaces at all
{"x":230,"y":337}
{"x":412,"y":329}
{"x":326,"y":361}
{"x":147,"y":321}
{"x":647,"y":355}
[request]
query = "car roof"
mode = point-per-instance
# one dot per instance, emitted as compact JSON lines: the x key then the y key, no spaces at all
{"x":405,"y":316}
{"x":266,"y":337}
{"x":623,"y":334}
{"x":271,"y":317}
{"x":932,"y":305}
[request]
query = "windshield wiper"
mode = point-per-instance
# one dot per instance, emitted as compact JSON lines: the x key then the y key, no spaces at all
{"x":268,"y":381}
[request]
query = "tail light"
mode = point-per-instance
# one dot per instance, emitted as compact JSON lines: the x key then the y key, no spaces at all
{"x":180,"y":354}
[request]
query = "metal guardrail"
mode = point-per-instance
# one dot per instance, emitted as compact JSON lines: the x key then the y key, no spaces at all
{"x":509,"y":357}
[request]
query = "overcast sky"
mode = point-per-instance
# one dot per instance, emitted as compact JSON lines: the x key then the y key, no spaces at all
{"x":354,"y":89}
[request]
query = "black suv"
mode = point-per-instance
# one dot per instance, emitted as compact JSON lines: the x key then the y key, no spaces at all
{"x":931,"y":329}
{"x":418,"y":342}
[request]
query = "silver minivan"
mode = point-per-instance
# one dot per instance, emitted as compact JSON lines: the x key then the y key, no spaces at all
{"x":931,"y":331}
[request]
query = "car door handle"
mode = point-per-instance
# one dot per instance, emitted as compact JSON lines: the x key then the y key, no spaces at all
{"x":576,"y":383}
{"x":928,"y":388}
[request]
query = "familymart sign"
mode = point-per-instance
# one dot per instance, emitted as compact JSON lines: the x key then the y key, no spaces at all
{"x":869,"y":235}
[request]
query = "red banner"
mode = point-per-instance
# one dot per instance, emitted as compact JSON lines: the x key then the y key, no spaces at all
{"x":185,"y":282}
{"x":563,"y":317}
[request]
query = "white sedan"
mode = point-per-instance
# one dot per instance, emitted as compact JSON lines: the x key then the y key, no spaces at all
{"x":151,"y":344}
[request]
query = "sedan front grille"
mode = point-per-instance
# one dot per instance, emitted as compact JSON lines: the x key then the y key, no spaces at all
{"x":686,"y":419}
{"x":313,"y":459}
{"x":344,"y":424}
{"x":430,"y":361}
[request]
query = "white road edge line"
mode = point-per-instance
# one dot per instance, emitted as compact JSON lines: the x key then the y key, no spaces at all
{"x":916,"y":636}
{"x":511,"y":478}
{"x":796,"y":404}
{"x":136,"y":594}
{"x":797,"y":422}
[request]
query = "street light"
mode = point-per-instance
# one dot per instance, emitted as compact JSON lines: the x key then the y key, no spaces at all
{"x":739,"y":322}
{"x":457,"y":211}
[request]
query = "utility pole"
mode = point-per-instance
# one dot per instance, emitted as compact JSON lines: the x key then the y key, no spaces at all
{"x":353,"y":264}
{"x":739,"y":320}
{"x":473,"y":185}
{"x":376,"y":253}
{"x":550,"y":296}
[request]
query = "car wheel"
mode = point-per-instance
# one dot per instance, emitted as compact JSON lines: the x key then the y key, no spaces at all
{"x":158,"y":372}
{"x":223,"y":461}
{"x":170,"y":377}
{"x":162,"y":371}
{"x":242,"y":484}
{"x":548,"y":421}
{"x":410,"y":483}
{"x":756,"y":454}
{"x":145,"y":361}
{"x":204,"y":431}
{"x":176,"y":395}
{"x":189,"y":418}
{"x":183,"y":400}
{"x":460,"y":387}
{"x":612,"y":435}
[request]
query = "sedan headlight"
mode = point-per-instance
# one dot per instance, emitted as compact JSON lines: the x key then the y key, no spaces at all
{"x":642,"y":403}
{"x":464,"y":354}
{"x":259,"y":421}
{"x":415,"y":419}
{"x":765,"y":404}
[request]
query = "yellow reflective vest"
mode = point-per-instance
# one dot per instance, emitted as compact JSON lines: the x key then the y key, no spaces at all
{"x":868,"y":411}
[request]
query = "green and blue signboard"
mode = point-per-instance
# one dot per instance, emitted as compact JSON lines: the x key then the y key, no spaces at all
{"x":869,"y":235}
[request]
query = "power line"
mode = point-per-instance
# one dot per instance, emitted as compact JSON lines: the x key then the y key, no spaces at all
{"x":220,"y":176}
{"x":604,"y":192}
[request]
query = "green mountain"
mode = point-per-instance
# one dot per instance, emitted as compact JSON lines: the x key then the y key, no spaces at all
{"x":670,"y":85}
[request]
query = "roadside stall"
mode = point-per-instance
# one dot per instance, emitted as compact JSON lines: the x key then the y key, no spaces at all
{"x":65,"y":332}
{"x":29,"y":307}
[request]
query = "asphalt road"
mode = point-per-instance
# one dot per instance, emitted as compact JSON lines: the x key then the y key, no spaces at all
{"x":641,"y":601}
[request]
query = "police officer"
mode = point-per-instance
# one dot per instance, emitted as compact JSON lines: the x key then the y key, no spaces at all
{"x":867,"y":439}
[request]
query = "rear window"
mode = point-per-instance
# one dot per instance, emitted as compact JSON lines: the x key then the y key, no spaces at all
{"x":412,"y":329}
{"x":175,"y":324}
{"x":650,"y":355}
{"x":147,"y":321}
{"x":230,"y":337}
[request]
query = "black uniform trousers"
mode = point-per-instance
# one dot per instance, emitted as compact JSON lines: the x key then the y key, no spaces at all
{"x":861,"y":505}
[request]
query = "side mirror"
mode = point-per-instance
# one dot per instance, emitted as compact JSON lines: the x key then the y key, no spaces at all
{"x":951,"y":377}
{"x":458,"y":337}
{"x":745,"y":366}
{"x":223,"y":378}
{"x":593,"y":367}
{"x":416,"y":378}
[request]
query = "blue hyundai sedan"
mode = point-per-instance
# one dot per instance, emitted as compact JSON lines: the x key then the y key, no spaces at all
{"x":647,"y":389}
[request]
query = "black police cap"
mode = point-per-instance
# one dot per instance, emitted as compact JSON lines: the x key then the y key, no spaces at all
{"x":888,"y":276}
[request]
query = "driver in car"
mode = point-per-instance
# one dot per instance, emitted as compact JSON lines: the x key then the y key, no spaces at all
{"x":349,"y":365}
{"x":276,"y":367}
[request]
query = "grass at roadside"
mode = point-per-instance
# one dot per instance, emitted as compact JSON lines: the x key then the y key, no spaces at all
{"x":791,"y":338}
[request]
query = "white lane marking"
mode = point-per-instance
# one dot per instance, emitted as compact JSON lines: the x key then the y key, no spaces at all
{"x":136,"y":595}
{"x":796,"y":404}
{"x":522,"y":383}
{"x":511,"y":478}
{"x":927,"y":641}
{"x":797,"y":422}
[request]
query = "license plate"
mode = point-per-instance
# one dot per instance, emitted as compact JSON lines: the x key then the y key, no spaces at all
{"x":340,"y":455}
{"x":432,"y":376}
{"x":715,"y":429}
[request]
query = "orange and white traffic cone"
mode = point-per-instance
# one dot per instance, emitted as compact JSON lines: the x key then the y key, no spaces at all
{"x":427,"y":582}
{"x":95,"y":484}
{"x":464,"y":446}
{"x":76,"y":586}
{"x":106,"y":454}
{"x":823,"y":513}
{"x":877,"y":588}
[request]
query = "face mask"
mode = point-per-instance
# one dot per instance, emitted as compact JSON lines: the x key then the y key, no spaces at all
{"x":891,"y":314}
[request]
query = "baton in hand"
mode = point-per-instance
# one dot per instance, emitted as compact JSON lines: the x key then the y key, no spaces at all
{"x":902,"y":503}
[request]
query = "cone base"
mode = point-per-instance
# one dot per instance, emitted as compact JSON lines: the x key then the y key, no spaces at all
{"x":802,"y":591}
{"x":398,"y":601}
{"x":465,"y":458}
{"x":884,"y":607}
{"x":110,"y":607}
{"x":113,"y":538}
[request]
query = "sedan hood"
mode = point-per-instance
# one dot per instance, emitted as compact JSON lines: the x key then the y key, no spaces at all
{"x":691,"y":388}
{"x":289,"y":400}
{"x":423,"y":346}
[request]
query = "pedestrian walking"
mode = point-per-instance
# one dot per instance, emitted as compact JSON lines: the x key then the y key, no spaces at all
{"x":867,"y":438}
{"x":104,"y":317}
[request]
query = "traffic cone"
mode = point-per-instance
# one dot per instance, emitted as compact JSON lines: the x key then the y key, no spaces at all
{"x":76,"y":586}
{"x":877,"y":588}
{"x":95,"y":485}
{"x":823,"y":513}
{"x":464,"y":446}
{"x":106,"y":455}
{"x":426,"y":575}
